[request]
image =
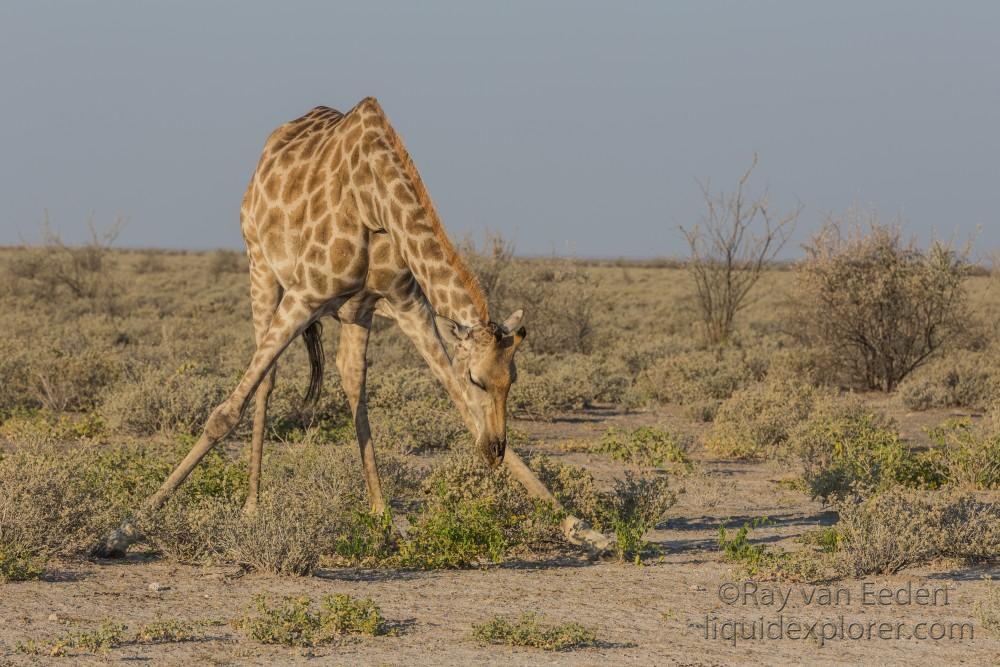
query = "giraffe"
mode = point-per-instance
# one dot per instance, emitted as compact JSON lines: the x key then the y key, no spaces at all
{"x":337,"y":222}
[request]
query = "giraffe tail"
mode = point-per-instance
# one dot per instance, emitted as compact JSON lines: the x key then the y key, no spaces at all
{"x":313,"y":338}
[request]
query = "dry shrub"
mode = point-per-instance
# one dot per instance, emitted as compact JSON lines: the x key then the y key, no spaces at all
{"x":411,"y":412}
{"x":755,"y":422}
{"x":149,"y":261}
{"x":701,"y":380}
{"x":83,"y":275}
{"x":310,"y":504}
{"x":56,"y":371}
{"x":880,"y":305}
{"x":548,"y":385}
{"x":227,"y":261}
{"x":166,"y":400}
{"x":52,"y":505}
{"x":964,"y":379}
{"x":904,"y":527}
{"x":60,"y":501}
{"x":736,"y":238}
{"x":558,"y":296}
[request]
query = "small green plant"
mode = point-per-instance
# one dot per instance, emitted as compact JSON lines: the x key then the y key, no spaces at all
{"x":162,"y":632}
{"x":108,"y":636}
{"x":295,"y":621}
{"x":646,"y":445}
{"x":760,"y":562}
{"x":738,"y":549}
{"x":826,"y":539}
{"x":19,"y":563}
{"x":634,"y":507}
{"x":527,"y":630}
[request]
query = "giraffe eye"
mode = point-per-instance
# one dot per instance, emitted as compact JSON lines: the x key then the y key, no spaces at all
{"x":476,"y":382}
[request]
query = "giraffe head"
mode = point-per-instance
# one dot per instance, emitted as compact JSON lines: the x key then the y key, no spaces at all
{"x":483,"y":363}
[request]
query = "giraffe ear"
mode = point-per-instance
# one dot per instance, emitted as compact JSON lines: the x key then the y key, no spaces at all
{"x":513,"y":322}
{"x":451,"y":331}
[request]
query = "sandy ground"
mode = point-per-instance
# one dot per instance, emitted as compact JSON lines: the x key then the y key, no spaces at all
{"x":650,"y":615}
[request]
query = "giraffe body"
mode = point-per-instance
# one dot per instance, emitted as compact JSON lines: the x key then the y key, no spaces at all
{"x":337,"y":222}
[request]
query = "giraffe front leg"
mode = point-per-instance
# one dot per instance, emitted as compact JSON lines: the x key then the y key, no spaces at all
{"x":575,"y":530}
{"x":291,"y":319}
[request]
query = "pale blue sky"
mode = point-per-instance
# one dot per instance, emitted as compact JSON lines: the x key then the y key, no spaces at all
{"x":573,"y":127}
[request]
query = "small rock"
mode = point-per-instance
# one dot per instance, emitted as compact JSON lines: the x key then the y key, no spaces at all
{"x":53,"y":617}
{"x":157,"y":587}
{"x":696,"y":587}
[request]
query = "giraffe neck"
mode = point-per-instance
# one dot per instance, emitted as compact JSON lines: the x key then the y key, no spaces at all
{"x":397,"y":195}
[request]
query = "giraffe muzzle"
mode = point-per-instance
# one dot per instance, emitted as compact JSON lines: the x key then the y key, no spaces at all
{"x":493,"y":451}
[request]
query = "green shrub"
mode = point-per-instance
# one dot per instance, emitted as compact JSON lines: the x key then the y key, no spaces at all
{"x":633,"y":508}
{"x":474,"y":515}
{"x":903,"y":527}
{"x":108,"y":636}
{"x":295,"y":622}
{"x":756,"y":421}
{"x":630,"y":509}
{"x":455,"y":534}
{"x":42,"y":427}
{"x":162,"y":632}
{"x":969,"y":454}
{"x":17,"y":562}
{"x":646,"y":445}
{"x":527,"y":630}
{"x":844,"y":447}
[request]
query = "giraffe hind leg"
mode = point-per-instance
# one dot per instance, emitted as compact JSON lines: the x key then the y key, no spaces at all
{"x":352,"y":365}
{"x":265,"y":295}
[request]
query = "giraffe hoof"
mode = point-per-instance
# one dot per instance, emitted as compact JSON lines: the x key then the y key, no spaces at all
{"x":580,"y":533}
{"x":116,"y":544}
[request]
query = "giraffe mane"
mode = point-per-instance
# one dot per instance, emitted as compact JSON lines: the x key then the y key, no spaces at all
{"x":469,"y":281}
